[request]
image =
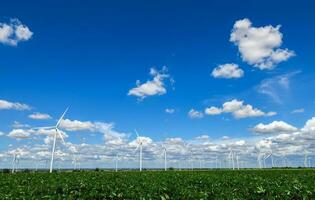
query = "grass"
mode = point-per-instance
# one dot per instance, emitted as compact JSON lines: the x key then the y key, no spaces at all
{"x":212,"y":184}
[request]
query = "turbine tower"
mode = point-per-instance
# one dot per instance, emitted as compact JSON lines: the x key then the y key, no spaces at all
{"x":14,"y":162}
{"x":57,"y":133}
{"x":165,"y":158}
{"x":116,"y":162}
{"x":139,"y":146}
{"x":305,"y":159}
{"x":231,"y":158}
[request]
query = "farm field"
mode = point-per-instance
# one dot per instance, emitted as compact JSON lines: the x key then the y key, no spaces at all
{"x":212,"y":184}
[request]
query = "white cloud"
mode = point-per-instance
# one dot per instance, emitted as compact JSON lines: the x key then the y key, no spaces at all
{"x":76,"y":125}
{"x":145,"y":141}
{"x":19,"y":134}
{"x":14,"y":32}
{"x":227,"y":71}
{"x":225,"y":137}
{"x":240,"y":110}
{"x":169,"y":110}
{"x":2,"y":133}
{"x":300,"y":110}
{"x":259,"y":46}
{"x":276,"y":127}
{"x":277,"y":86}
{"x":309,"y":126}
{"x":111,"y":137}
{"x":18,"y":125}
{"x":240,"y":142}
{"x":6,"y":105}
{"x":213,"y":111}
{"x":151,"y":87}
{"x":194,"y":114}
{"x":39,"y":116}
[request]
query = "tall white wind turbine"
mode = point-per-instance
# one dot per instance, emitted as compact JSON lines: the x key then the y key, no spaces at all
{"x":57,"y":133}
{"x":305,"y":159}
{"x":14,"y":162}
{"x":139,"y":146}
{"x":231,"y":157}
{"x":116,"y":163}
{"x":165,"y":158}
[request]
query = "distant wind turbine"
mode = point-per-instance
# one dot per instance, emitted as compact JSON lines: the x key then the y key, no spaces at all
{"x":56,"y":127}
{"x":231,"y":158}
{"x":237,"y":162}
{"x":14,"y":161}
{"x":116,"y":162}
{"x":139,"y":146}
{"x":259,"y":155}
{"x":305,"y":159}
{"x":165,"y":158}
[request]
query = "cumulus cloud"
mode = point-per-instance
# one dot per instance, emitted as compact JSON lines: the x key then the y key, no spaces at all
{"x":213,"y":111}
{"x":227,"y":71}
{"x":238,"y":109}
{"x":14,"y":32}
{"x":259,"y":46}
{"x":39,"y":116}
{"x":275,"y":127}
{"x":7,"y":105}
{"x":240,"y":142}
{"x":153,"y":87}
{"x":145,"y":141}
{"x":76,"y":125}
{"x":111,"y":136}
{"x":18,"y":125}
{"x":194,"y":114}
{"x":309,"y":126}
{"x":19,"y":134}
{"x":169,"y":110}
{"x":2,"y":133}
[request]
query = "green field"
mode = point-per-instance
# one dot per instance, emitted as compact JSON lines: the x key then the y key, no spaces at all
{"x":220,"y":184}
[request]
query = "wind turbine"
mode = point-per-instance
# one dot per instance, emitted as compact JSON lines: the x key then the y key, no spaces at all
{"x":57,"y":132}
{"x":237,"y":162}
{"x":116,"y":162}
{"x":165,"y":161}
{"x":305,"y":159}
{"x":266,"y":157}
{"x":14,"y":161}
{"x":231,"y":158}
{"x":139,"y":146}
{"x":259,"y":160}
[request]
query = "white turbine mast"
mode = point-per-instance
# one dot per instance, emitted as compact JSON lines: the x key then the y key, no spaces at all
{"x":57,"y":133}
{"x":231,"y":158}
{"x":237,"y":162}
{"x":259,"y":155}
{"x":116,"y":163}
{"x":139,"y":146}
{"x":165,"y":157}
{"x":14,"y":161}
{"x":306,"y":159}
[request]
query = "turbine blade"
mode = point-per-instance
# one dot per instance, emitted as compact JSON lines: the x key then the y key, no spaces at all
{"x":61,"y":137}
{"x":61,"y":118}
{"x":137,"y":148}
{"x":137,"y":133}
{"x":44,"y":127}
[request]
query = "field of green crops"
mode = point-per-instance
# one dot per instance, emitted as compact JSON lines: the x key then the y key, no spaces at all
{"x":220,"y":184}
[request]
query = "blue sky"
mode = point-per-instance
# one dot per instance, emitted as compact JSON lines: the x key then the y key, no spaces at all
{"x":89,"y":55}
